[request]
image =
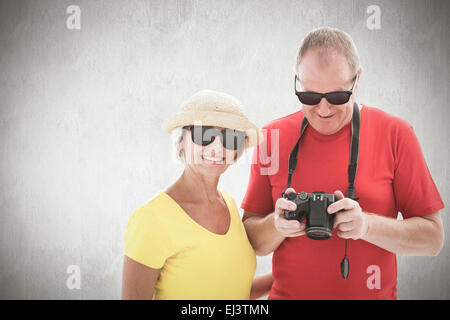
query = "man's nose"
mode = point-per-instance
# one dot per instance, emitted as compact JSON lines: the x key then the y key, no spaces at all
{"x":323,"y":108}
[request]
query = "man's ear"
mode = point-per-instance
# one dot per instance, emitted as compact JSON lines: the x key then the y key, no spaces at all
{"x":360,"y":71}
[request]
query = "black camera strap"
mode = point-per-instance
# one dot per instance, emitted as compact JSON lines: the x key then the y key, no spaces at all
{"x":352,"y":167}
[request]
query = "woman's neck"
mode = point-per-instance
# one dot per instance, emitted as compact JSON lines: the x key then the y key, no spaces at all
{"x":197,"y":187}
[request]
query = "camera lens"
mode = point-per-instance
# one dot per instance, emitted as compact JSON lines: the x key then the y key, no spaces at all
{"x":318,"y":233}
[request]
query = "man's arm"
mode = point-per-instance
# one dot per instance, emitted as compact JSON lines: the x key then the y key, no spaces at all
{"x":267,"y":232}
{"x":420,"y":236}
{"x":261,"y":286}
{"x":261,"y":232}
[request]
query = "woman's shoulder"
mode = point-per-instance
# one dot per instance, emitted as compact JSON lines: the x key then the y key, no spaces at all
{"x":148,"y":237}
{"x":154,"y":210}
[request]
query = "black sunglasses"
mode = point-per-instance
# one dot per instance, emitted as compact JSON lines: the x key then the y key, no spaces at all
{"x":312,"y":98}
{"x":205,"y":135}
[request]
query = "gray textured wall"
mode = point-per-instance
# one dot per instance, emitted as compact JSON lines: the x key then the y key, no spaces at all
{"x":80,"y":113}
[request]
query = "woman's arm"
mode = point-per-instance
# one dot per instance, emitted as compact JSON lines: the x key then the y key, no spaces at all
{"x":138,"y":280}
{"x":261,"y":286}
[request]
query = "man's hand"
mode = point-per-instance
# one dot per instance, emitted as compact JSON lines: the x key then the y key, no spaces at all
{"x":287,"y":228}
{"x":352,"y":222}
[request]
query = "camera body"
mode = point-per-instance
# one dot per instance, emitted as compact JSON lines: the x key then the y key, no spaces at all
{"x":312,"y":207}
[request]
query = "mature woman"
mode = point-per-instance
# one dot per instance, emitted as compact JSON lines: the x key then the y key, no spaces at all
{"x":189,"y":242}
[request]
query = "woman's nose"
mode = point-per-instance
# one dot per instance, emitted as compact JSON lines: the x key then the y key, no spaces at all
{"x":215,"y":148}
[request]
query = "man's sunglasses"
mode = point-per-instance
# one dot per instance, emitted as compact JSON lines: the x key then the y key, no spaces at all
{"x":313,"y":98}
{"x":205,"y":135}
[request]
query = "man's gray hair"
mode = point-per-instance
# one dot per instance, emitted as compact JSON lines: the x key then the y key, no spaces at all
{"x":327,"y":38}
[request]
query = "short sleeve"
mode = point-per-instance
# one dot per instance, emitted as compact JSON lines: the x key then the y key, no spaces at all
{"x":145,"y":239}
{"x":258,"y":197}
{"x":415,"y":191}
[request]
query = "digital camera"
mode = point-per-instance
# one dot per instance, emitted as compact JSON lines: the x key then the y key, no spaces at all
{"x":312,"y":207}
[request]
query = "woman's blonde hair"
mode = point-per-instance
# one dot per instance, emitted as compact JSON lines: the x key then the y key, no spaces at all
{"x":178,"y":135}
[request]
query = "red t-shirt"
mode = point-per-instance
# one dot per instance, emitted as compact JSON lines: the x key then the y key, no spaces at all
{"x":392,"y":177}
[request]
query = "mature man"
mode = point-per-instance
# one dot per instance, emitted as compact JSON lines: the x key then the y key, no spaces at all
{"x":391,"y":177}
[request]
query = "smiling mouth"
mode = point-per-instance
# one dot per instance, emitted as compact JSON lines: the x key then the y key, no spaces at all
{"x":216,"y":160}
{"x":325,"y":117}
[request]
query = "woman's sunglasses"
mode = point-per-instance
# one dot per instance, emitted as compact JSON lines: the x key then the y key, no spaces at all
{"x":205,"y":135}
{"x":314,"y":98}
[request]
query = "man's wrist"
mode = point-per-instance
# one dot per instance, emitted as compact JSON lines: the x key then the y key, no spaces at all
{"x":279,"y":237}
{"x":368,"y":222}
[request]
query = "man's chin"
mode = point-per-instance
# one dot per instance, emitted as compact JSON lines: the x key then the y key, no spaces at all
{"x":326,"y":128}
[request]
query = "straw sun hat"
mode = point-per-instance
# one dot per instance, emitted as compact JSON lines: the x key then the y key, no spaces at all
{"x":212,"y":108}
